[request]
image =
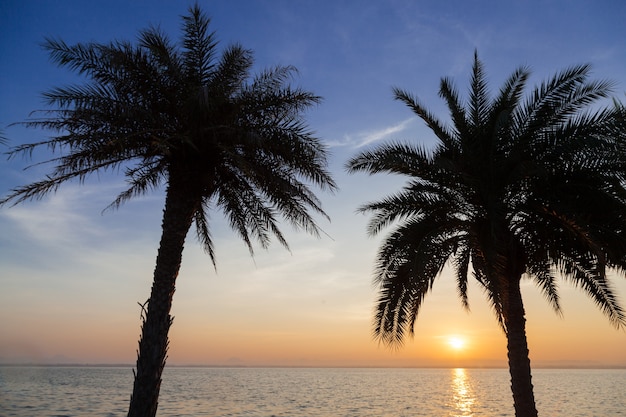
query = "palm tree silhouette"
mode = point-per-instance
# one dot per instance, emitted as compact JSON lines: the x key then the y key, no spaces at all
{"x":198,"y":123}
{"x":518,"y":189}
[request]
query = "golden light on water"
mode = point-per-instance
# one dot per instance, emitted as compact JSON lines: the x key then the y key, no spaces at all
{"x":462,"y":393}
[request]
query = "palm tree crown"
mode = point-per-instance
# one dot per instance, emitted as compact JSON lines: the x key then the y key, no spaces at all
{"x":160,"y":111}
{"x":514,"y":188}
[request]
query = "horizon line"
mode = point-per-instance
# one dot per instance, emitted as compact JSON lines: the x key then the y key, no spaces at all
{"x":124,"y":365}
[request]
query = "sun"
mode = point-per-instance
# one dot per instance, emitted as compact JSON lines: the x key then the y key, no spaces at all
{"x":456,"y":342}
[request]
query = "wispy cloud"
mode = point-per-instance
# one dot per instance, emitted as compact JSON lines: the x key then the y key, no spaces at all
{"x":361,"y":139}
{"x":56,"y":219}
{"x":73,"y":218}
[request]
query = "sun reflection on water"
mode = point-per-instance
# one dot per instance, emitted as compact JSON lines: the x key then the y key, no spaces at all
{"x":462,"y":394}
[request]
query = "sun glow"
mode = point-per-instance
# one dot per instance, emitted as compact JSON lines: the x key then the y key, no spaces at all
{"x":456,"y":343}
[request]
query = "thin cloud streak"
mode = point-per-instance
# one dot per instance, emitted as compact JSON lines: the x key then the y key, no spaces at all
{"x":366,"y":138}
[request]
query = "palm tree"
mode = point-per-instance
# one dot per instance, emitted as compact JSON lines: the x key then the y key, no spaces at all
{"x":518,"y":189}
{"x":198,"y":123}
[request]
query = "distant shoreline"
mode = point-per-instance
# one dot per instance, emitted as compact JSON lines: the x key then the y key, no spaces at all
{"x":123,"y":365}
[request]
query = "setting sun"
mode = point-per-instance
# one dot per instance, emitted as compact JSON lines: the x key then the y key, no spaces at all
{"x":456,"y":342}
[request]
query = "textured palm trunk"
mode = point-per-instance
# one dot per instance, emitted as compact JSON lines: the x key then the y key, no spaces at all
{"x":153,"y":345}
{"x":519,"y":362}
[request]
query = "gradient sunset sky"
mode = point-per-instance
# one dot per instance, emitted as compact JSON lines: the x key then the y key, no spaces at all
{"x":71,"y":277}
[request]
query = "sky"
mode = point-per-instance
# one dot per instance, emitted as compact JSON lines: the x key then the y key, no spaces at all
{"x":72,"y":276}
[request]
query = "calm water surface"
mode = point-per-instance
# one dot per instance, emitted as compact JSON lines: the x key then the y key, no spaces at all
{"x":309,"y":392}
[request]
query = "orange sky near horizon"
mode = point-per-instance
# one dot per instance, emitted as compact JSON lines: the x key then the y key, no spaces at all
{"x":224,"y":330}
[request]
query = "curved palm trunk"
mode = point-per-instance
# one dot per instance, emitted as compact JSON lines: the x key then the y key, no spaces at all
{"x":153,"y":345}
{"x":519,"y":362}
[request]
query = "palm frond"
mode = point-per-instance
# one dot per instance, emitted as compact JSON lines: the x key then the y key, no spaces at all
{"x":407,"y":264}
{"x":393,"y":158}
{"x":199,"y":45}
{"x":203,"y":231}
{"x":593,"y":281}
{"x":229,"y":74}
{"x":540,"y":272}
{"x":246,"y":213}
{"x":441,"y":132}
{"x":461,"y":266}
{"x":478,"y":105}
{"x":457,"y":111}
{"x":142,"y":178}
{"x":416,"y":200}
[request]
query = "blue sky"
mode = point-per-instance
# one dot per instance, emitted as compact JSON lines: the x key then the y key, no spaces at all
{"x":71,"y":276}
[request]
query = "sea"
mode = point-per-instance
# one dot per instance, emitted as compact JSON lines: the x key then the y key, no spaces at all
{"x":67,"y":391}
